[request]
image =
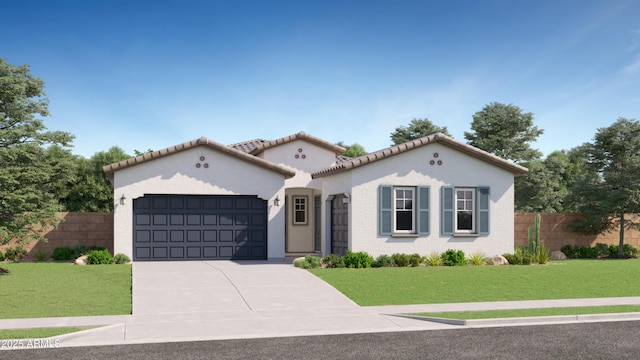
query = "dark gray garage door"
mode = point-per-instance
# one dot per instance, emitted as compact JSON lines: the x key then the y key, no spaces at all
{"x":193,"y":227}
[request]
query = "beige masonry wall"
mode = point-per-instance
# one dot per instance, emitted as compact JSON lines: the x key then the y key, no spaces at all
{"x":76,"y":228}
{"x":555,"y":232}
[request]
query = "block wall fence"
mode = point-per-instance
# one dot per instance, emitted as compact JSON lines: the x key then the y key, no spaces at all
{"x":75,"y":228}
{"x":554,"y":232}
{"x":97,"y":229}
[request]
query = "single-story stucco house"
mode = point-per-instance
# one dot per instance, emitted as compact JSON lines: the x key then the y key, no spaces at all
{"x":298,"y":195}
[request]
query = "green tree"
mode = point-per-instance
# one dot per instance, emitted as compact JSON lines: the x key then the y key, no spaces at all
{"x":353,"y":150}
{"x":611,"y":186}
{"x":416,"y":129}
{"x":506,"y":131}
{"x":29,"y":174}
{"x":91,"y":191}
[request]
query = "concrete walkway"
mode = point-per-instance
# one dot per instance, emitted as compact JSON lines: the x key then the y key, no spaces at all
{"x":189,"y":301}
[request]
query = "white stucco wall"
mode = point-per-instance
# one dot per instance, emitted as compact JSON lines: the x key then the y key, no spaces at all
{"x":178,"y":174}
{"x":312,"y":158}
{"x":412,"y":168}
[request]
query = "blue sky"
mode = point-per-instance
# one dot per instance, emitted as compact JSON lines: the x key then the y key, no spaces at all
{"x":151,"y":74}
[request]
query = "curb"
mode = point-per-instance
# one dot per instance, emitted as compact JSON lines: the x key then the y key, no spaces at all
{"x":633,"y":316}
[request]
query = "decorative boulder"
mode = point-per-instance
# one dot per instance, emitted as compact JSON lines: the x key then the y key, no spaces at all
{"x":558,"y":255}
{"x":82,"y":260}
{"x":498,"y":260}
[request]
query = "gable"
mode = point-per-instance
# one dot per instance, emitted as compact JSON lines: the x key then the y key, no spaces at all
{"x":439,"y":138}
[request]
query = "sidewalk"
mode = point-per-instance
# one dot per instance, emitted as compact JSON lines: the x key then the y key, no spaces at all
{"x":133,"y":329}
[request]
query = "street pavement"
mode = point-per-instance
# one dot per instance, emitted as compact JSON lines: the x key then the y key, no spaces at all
{"x":216,"y":300}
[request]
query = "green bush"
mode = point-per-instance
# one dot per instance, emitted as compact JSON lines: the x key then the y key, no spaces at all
{"x":1,"y":255}
{"x":477,"y":259}
{"x":572,"y":252}
{"x":603,"y":249}
{"x":382,"y":261}
{"x":121,"y":258}
{"x":80,"y":250}
{"x":15,"y":254}
{"x":586,"y":252}
{"x":512,"y":259}
{"x":62,"y":253}
{"x":454,"y":258}
{"x":357,"y":259}
{"x":627,"y":250}
{"x":415,"y":260}
{"x":99,"y":257}
{"x":333,"y":261}
{"x":400,"y":260}
{"x":433,"y":259}
{"x":520,"y":256}
{"x":40,"y":253}
{"x":542,"y":255}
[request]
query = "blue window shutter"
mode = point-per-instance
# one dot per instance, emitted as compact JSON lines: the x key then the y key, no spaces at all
{"x":423,"y":210}
{"x":385,"y":209}
{"x":483,"y":210}
{"x":447,"y":210}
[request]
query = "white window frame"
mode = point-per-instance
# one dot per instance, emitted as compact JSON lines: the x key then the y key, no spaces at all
{"x":473,"y":199}
{"x":413,"y":210}
{"x":300,"y":203}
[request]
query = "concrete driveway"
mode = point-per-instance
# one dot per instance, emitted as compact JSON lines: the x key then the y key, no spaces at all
{"x":201,"y":287}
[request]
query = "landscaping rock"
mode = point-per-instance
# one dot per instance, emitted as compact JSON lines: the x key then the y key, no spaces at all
{"x":82,"y":260}
{"x":498,"y":260}
{"x":558,"y":255}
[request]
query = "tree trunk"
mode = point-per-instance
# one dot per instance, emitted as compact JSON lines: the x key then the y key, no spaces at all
{"x":621,"y":243}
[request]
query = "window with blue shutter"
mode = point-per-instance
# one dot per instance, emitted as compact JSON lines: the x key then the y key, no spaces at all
{"x":423,"y":210}
{"x":483,"y":210}
{"x":385,"y":210}
{"x":447,"y":210}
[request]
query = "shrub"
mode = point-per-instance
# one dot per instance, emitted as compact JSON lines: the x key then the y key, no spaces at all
{"x":520,"y":256}
{"x":15,"y":254}
{"x":586,"y":252}
{"x":1,"y":255}
{"x":512,"y":259}
{"x":99,"y":257}
{"x":603,"y":249}
{"x":62,"y":253}
{"x":627,"y":251}
{"x":357,"y":259}
{"x":382,"y":261}
{"x":570,"y":251}
{"x":400,"y":260}
{"x":80,"y":250}
{"x":477,"y":259}
{"x":542,"y":255}
{"x":121,"y":258}
{"x":333,"y":261}
{"x":41,"y":254}
{"x":433,"y":259}
{"x":454,"y":258}
{"x":415,"y":260}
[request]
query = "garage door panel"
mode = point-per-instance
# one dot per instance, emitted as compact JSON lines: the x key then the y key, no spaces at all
{"x":176,"y":252}
{"x":209,"y":235}
{"x":159,"y":236}
{"x":187,"y":227}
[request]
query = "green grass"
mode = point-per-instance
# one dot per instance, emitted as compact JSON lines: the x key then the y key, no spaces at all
{"x":60,"y":289}
{"x":430,"y":285}
{"x":37,"y":333}
{"x":498,"y":314}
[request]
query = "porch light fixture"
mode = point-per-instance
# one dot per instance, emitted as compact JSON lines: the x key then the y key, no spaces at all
{"x":345,"y":199}
{"x":123,"y":200}
{"x":276,"y":201}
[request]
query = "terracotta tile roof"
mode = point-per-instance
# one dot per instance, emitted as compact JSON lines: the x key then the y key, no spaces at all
{"x":203,"y":141}
{"x":248,"y":146}
{"x":441,"y":138}
{"x":338,"y":150}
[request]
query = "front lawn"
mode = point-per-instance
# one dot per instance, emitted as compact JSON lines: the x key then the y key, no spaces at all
{"x":569,"y":279}
{"x":37,"y":333}
{"x":33,"y":290}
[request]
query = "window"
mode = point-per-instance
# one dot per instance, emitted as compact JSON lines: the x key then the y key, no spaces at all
{"x":299,"y":210}
{"x":403,"y":210}
{"x":464,"y":210}
{"x":404,"y":215}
